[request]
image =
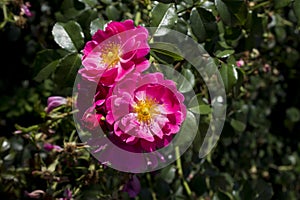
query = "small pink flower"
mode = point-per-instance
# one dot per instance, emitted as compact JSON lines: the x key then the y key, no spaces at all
{"x":25,"y":9}
{"x":114,"y":52}
{"x":54,"y":102}
{"x":50,"y":147}
{"x":145,"y":111}
{"x":132,"y":187}
{"x":266,"y":68}
{"x":240,"y":63}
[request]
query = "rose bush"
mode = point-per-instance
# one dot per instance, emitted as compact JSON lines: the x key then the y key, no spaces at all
{"x":254,"y":44}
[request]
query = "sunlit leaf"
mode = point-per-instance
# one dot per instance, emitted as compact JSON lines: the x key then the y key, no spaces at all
{"x":224,"y":54}
{"x":188,"y":81}
{"x":68,"y":36}
{"x":229,"y":76}
{"x":167,"y":49}
{"x":163,"y":16}
{"x":97,"y":24}
{"x":198,"y":106}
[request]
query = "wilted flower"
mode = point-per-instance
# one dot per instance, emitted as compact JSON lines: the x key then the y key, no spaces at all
{"x":132,"y":187}
{"x":36,"y":194}
{"x":115,"y":52}
{"x":145,"y":111}
{"x":25,"y":9}
{"x":54,"y":102}
{"x":50,"y":147}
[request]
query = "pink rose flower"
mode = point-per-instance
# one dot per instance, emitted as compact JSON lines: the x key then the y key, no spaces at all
{"x":145,"y":111}
{"x":114,"y":52}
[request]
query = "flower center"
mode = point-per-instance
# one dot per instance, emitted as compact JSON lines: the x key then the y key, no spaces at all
{"x":110,"y":55}
{"x":145,"y":110}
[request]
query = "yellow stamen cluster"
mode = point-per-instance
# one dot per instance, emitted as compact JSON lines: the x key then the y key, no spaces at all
{"x":145,"y":110}
{"x":110,"y":55}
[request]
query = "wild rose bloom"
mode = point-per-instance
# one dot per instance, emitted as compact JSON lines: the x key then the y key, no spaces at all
{"x":132,"y":187}
{"x":114,"y":52}
{"x":54,"y":102}
{"x":145,"y":111}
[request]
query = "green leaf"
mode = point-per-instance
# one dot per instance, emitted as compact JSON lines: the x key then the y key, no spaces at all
{"x":97,"y":24}
{"x":224,"y":54}
{"x":296,"y":8}
{"x":90,"y":3}
{"x":224,"y":12}
{"x":280,"y":33}
{"x":281,"y":3}
{"x":238,"y":125}
{"x":163,"y":16}
{"x":239,"y":10}
{"x":203,"y":24}
{"x":293,"y":114}
{"x":4,"y":144}
{"x":27,"y":129}
{"x":112,"y":13}
{"x":197,"y":25}
{"x":256,"y":189}
{"x":188,"y":130}
{"x":10,"y":157}
{"x":229,"y":76}
{"x":166,"y":1}
{"x":188,"y":81}
{"x":168,"y":174}
{"x":51,"y":168}
{"x":69,"y":10}
{"x":106,"y":1}
{"x":85,"y":18}
{"x":222,"y":181}
{"x":167,"y":49}
{"x":46,"y":71}
{"x":68,"y":36}
{"x":198,"y":106}
{"x":45,"y":57}
{"x":67,"y":70}
{"x":232,"y":12}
